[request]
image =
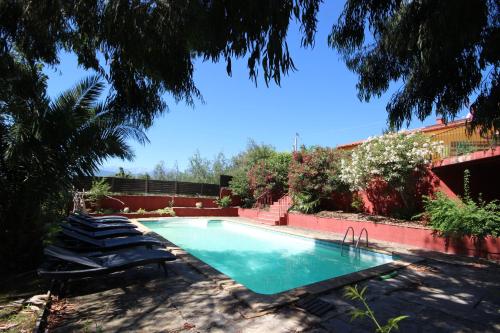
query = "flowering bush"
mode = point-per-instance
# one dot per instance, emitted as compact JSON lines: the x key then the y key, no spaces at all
{"x":314,"y":175}
{"x":399,"y":159}
{"x":270,"y":174}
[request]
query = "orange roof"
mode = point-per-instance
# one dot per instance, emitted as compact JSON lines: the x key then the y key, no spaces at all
{"x":435,"y":127}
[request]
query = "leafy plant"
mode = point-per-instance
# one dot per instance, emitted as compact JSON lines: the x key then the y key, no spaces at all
{"x":100,"y":189}
{"x":49,"y":145}
{"x":454,"y":218}
{"x":467,"y":217}
{"x":270,"y":174}
{"x":355,"y":294}
{"x":305,"y":202}
{"x":314,"y":174}
{"x":166,"y":211}
{"x":141,"y":211}
{"x":357,"y":203}
{"x":224,"y":201}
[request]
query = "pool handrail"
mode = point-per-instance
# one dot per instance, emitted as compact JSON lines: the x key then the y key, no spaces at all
{"x":343,"y":241}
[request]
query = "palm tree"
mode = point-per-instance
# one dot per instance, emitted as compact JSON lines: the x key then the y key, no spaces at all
{"x":45,"y":150}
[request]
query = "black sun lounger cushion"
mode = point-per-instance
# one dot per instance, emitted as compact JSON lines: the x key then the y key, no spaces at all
{"x":86,"y":266}
{"x":97,"y":225}
{"x":89,"y":243}
{"x":108,"y":233}
{"x":102,"y":219}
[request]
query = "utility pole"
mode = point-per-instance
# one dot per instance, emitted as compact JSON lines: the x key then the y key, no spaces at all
{"x":296,"y":142}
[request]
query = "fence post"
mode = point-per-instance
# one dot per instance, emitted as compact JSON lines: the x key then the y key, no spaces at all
{"x":176,"y":188}
{"x":201,"y":191}
{"x":147,"y":185}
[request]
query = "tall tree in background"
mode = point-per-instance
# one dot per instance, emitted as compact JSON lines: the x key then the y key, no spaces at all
{"x":122,"y":173}
{"x":440,"y":52}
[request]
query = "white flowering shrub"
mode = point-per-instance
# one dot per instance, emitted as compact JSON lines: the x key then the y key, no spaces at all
{"x":396,"y":158}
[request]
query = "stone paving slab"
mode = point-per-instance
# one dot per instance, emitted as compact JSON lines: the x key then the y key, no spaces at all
{"x":444,"y":294}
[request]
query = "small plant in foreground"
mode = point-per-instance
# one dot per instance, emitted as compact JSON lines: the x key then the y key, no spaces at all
{"x":223,"y":202}
{"x":141,"y":211}
{"x":355,"y":294}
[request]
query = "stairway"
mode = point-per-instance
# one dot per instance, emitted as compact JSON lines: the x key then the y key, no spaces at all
{"x":276,"y":215}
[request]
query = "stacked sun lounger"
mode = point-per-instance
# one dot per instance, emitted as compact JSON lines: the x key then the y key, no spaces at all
{"x":88,"y":246}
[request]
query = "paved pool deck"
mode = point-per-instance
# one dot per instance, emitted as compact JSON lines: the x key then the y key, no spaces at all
{"x":443,"y":293}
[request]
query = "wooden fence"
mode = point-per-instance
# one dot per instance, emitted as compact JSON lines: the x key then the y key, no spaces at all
{"x":149,"y":186}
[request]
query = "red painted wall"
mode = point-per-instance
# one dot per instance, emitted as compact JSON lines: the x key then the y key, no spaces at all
{"x":235,"y":200}
{"x":184,"y":212}
{"x":154,"y":202}
{"x":419,"y":237}
{"x":379,"y":198}
{"x":248,"y":213}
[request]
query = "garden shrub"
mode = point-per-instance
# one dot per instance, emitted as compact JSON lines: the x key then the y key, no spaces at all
{"x":399,"y":159}
{"x":468,"y":218}
{"x":99,"y":190}
{"x":242,"y":163}
{"x":224,"y":201}
{"x":166,"y":211}
{"x":463,"y":218}
{"x":314,"y":175}
{"x":270,"y":174}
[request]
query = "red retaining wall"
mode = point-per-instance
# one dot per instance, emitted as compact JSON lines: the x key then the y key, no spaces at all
{"x":184,"y":211}
{"x":419,"y":237}
{"x":248,"y":213}
{"x":153,"y":202}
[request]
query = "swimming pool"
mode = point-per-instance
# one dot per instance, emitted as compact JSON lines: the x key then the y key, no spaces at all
{"x":263,"y":260}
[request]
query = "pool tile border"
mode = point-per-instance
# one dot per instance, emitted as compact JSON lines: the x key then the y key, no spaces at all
{"x":261,"y":302}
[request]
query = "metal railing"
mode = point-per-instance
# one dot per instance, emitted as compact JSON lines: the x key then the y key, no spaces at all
{"x":457,"y":142}
{"x":284,"y":204}
{"x":345,"y":236}
{"x":263,"y":200}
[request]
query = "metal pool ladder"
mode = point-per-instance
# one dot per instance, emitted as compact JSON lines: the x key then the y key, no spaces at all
{"x":356,"y":245}
{"x":343,"y":241}
{"x":359,"y":238}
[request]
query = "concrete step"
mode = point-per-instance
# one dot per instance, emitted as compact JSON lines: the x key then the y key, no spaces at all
{"x":267,"y":221}
{"x":269,"y":215}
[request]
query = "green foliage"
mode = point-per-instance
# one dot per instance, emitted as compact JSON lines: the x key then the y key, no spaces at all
{"x":224,"y":201}
{"x":357,"y":203}
{"x":141,"y":211}
{"x":49,"y":145}
{"x":100,"y":189}
{"x":175,"y":32}
{"x":353,"y":293}
{"x":200,"y":170}
{"x":166,"y":211}
{"x":454,"y":218}
{"x":270,"y":174}
{"x":411,"y":41}
{"x":305,"y":202}
{"x":241,"y":165}
{"x":314,"y":175}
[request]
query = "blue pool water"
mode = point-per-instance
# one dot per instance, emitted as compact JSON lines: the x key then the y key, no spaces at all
{"x":265,"y":261}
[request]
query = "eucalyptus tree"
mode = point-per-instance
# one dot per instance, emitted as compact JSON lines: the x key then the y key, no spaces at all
{"x":441,"y":54}
{"x":45,"y":147}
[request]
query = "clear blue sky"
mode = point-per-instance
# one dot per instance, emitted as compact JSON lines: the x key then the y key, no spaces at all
{"x":318,"y":101}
